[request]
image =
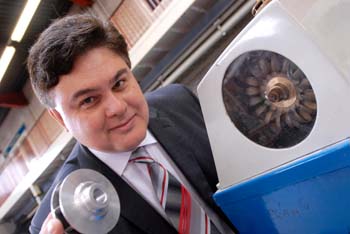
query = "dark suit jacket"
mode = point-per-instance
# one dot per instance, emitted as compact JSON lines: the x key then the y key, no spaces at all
{"x":176,"y":122}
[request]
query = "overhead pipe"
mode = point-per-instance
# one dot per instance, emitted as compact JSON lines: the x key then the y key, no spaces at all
{"x":199,"y":52}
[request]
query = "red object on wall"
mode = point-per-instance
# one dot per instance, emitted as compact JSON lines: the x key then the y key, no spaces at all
{"x":83,"y":3}
{"x":13,"y":100}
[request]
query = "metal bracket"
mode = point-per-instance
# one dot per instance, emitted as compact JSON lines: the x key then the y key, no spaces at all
{"x":260,"y":4}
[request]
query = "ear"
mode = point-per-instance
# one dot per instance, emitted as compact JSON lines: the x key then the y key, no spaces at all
{"x":57,"y":116}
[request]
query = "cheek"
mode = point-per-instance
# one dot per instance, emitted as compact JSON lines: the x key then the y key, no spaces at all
{"x":139,"y":102}
{"x":142,"y":108}
{"x":146,"y":112}
{"x":87,"y":124}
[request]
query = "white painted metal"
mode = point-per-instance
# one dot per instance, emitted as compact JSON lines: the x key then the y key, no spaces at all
{"x":299,"y":31}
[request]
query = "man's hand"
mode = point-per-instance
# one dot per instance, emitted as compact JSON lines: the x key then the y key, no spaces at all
{"x":51,"y":226}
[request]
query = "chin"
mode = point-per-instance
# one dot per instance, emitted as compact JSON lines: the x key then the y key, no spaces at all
{"x":136,"y":140}
{"x":131,"y":141}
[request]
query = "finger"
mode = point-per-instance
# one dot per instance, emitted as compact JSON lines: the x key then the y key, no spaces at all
{"x":54,"y":226}
{"x":49,"y":217}
{"x":51,"y":225}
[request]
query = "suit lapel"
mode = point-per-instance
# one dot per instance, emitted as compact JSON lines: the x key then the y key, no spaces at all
{"x":180,"y":150}
{"x":133,"y":207}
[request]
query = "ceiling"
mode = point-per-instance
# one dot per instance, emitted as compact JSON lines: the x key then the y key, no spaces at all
{"x":10,"y":11}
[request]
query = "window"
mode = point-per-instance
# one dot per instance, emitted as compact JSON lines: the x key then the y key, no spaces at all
{"x":153,"y":3}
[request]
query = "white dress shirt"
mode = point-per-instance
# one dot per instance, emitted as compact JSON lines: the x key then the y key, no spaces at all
{"x":136,"y":175}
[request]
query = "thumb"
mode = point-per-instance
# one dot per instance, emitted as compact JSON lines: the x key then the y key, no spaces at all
{"x":54,"y":226}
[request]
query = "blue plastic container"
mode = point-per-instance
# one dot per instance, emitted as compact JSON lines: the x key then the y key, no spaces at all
{"x":311,"y":196}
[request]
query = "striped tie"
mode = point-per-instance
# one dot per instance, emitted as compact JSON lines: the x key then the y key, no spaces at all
{"x":184,"y":212}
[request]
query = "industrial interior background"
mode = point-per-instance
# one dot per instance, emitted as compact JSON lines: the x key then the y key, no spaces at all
{"x":170,"y":42}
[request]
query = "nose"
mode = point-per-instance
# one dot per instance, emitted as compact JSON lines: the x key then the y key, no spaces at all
{"x":114,"y":105}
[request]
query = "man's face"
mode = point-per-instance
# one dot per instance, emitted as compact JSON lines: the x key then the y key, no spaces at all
{"x":101,"y":103}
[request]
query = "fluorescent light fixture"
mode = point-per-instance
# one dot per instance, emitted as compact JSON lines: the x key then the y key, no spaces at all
{"x":24,"y":20}
{"x":5,"y":59}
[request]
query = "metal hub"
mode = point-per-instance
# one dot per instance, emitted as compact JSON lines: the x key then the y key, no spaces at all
{"x":87,"y":201}
{"x":281,"y":92}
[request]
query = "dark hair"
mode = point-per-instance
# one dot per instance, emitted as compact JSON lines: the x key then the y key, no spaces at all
{"x":56,"y":49}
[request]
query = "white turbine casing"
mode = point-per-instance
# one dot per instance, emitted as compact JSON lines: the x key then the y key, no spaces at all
{"x":314,"y":35}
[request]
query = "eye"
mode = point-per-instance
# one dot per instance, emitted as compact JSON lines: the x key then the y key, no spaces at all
{"x":86,"y":102}
{"x":119,"y":84}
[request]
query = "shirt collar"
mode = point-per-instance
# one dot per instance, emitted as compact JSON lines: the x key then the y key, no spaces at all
{"x":119,"y":160}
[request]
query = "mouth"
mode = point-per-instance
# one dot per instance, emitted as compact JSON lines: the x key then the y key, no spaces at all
{"x":123,"y":126}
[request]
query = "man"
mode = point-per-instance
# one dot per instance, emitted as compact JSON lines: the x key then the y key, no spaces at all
{"x":80,"y":69}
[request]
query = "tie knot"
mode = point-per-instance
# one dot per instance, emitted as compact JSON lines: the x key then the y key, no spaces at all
{"x":139,"y":152}
{"x":140,"y":155}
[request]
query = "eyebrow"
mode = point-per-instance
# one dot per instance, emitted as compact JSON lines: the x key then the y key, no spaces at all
{"x":88,"y":90}
{"x":118,"y":75}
